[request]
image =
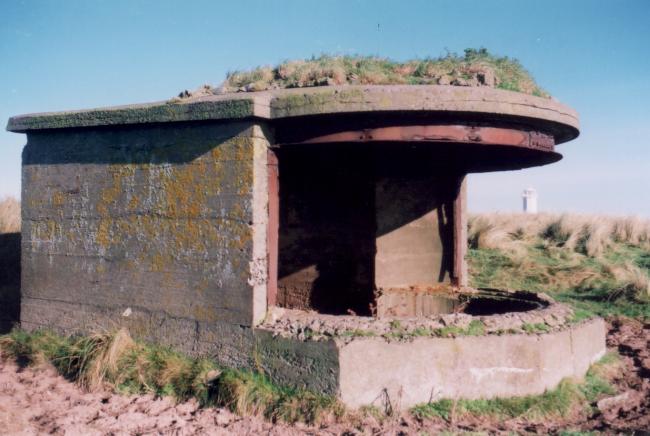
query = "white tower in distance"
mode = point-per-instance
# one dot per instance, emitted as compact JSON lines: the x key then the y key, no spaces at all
{"x":530,"y":200}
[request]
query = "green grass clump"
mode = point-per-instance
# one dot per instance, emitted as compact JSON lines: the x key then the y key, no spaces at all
{"x":535,"y":328}
{"x":475,"y":328}
{"x":476,"y":67}
{"x":398,"y":332}
{"x":358,"y":333}
{"x":115,"y":360}
{"x":250,"y":393}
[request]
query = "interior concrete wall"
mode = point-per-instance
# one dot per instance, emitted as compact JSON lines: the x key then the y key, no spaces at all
{"x":414,"y":231}
{"x":160,"y":228}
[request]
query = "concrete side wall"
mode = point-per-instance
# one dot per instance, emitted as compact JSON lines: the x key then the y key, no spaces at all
{"x":414,"y":232}
{"x":313,"y":365}
{"x":415,"y":241}
{"x":159,"y":228}
{"x":429,"y":369}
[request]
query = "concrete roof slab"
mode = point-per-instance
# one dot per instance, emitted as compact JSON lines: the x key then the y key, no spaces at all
{"x":319,"y":101}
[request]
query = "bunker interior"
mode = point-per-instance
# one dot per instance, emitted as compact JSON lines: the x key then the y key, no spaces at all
{"x":371,"y":208}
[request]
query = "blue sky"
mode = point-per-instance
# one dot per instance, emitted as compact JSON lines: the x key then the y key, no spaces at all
{"x":592,"y":55}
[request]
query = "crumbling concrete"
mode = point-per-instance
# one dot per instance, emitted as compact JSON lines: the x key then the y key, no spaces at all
{"x":405,"y":370}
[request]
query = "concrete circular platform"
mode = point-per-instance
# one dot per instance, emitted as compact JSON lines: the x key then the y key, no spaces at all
{"x":416,"y":360}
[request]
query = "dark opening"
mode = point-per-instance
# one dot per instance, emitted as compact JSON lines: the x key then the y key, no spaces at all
{"x":494,"y":306}
{"x":9,"y":281}
{"x":327,"y":229}
{"x":336,"y":199}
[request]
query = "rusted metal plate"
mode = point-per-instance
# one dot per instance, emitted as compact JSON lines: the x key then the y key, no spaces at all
{"x":443,"y":133}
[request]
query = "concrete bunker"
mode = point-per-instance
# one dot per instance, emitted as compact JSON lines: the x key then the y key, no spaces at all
{"x":289,"y":230}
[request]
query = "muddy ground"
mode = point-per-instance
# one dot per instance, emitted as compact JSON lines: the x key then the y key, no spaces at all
{"x":38,"y":401}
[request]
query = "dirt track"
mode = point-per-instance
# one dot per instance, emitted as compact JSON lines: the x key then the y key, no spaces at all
{"x":38,"y":401}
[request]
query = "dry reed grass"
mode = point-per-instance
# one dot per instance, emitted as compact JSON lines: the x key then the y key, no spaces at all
{"x":567,"y":251}
{"x":587,"y":234}
{"x":9,"y":215}
{"x":109,"y":350}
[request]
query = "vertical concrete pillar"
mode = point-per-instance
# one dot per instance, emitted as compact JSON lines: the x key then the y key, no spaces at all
{"x":272,"y":236}
{"x":459,"y":277}
{"x":259,"y":266}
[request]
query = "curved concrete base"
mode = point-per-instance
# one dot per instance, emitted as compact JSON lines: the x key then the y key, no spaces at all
{"x":372,"y":370}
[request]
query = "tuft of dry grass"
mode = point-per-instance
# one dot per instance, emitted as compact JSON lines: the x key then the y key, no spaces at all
{"x":476,"y":67}
{"x":632,"y":281}
{"x":9,"y":215}
{"x":104,"y":366}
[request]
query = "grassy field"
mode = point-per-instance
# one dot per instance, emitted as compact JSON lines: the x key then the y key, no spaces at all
{"x":476,"y":67}
{"x":597,"y":264}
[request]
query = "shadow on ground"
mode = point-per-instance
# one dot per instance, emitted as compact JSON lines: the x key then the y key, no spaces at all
{"x":9,"y":281}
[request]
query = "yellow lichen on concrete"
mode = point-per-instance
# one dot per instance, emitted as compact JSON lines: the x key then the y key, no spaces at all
{"x":58,"y":199}
{"x":179,"y":224}
{"x":103,"y":235}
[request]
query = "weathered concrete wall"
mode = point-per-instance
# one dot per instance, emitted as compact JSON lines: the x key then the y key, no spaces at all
{"x":158,"y":227}
{"x":428,"y":369}
{"x":311,"y":365}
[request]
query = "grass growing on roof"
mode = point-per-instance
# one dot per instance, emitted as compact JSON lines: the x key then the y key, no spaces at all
{"x":117,"y":361}
{"x":476,"y":67}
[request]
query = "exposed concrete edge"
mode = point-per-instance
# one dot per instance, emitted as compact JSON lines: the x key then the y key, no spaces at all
{"x":429,"y":369}
{"x":371,"y":370}
{"x":419,"y":98}
{"x":259,"y":264}
{"x":236,"y":106}
{"x":286,"y":103}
